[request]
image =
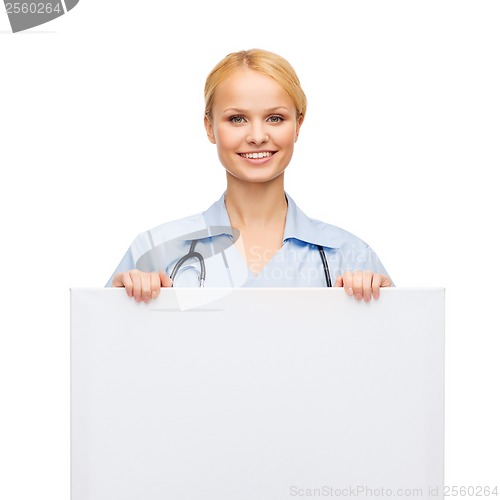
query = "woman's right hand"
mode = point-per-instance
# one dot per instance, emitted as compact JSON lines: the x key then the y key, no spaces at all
{"x":140,"y":285}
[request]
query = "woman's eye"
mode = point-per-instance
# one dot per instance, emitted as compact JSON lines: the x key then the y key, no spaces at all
{"x":236,"y":119}
{"x":275,"y":119}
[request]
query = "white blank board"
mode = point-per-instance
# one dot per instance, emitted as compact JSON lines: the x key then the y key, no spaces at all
{"x":256,"y":394}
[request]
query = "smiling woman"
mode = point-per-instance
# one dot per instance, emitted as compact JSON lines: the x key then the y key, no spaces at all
{"x":254,"y":235}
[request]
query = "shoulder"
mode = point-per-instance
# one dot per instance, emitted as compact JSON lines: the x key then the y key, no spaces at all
{"x":175,"y":229}
{"x":317,"y":232}
{"x":346,"y":251}
{"x":209,"y":222}
{"x":152,"y":248}
{"x":335,"y":236}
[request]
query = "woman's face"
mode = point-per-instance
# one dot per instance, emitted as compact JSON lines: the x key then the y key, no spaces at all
{"x":254,"y":126}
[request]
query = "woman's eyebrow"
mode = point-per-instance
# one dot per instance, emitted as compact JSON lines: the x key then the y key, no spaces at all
{"x":270,"y":110}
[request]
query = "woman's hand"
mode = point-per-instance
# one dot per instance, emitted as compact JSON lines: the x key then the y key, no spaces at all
{"x":363,"y":284}
{"x":140,"y":285}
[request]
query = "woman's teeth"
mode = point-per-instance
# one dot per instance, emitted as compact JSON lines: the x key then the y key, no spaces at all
{"x":264,"y":154}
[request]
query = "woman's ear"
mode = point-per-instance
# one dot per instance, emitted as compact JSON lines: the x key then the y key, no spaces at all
{"x":210,"y":129}
{"x":300,"y":119}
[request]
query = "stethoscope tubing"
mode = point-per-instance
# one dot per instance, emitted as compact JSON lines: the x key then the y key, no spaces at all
{"x":191,"y":254}
{"x":196,"y":255}
{"x":326,"y":269}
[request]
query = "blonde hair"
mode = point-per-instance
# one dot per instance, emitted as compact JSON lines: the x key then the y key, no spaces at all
{"x":263,"y":61}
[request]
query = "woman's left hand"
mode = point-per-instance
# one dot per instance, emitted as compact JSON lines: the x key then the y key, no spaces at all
{"x":363,"y":284}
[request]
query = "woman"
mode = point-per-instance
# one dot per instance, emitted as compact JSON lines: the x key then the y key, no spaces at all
{"x":254,"y":235}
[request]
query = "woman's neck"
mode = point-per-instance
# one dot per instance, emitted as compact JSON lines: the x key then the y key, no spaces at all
{"x":253,"y":205}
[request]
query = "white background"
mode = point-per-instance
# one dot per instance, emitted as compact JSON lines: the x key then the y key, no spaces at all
{"x":101,"y":137}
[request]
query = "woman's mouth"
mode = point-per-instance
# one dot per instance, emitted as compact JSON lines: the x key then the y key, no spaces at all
{"x":257,"y":155}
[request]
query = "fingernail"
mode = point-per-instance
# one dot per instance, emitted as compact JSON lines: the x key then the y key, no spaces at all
{"x":376,"y":295}
{"x":358,"y":296}
{"x":350,"y":291}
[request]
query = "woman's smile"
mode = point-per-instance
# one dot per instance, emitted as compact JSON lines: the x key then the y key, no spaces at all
{"x":257,"y":157}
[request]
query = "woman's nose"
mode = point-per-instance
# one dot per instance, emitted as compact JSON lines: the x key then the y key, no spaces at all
{"x":258,"y":134}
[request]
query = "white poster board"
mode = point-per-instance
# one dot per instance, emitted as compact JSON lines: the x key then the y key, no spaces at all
{"x":257,"y":394}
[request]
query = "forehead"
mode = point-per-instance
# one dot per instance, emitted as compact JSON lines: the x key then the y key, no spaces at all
{"x":249,"y":89}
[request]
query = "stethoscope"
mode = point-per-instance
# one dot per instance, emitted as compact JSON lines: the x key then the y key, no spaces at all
{"x":197,"y":255}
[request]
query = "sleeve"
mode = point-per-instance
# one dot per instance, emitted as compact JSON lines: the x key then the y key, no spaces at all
{"x":374,"y":264}
{"x":356,"y":255}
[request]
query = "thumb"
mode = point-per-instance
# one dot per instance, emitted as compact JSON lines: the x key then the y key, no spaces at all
{"x":338,"y":281}
{"x":165,"y":280}
{"x":118,"y":280}
{"x":386,"y":281}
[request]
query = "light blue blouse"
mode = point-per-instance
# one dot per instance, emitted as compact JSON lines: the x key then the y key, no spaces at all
{"x":297,"y":264}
